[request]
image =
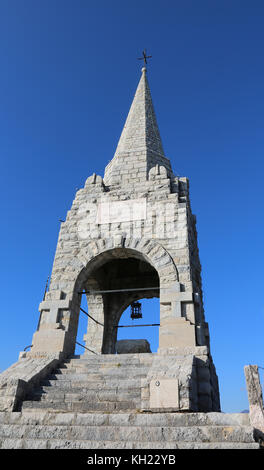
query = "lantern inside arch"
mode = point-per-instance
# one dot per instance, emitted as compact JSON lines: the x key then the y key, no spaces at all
{"x":136,"y":310}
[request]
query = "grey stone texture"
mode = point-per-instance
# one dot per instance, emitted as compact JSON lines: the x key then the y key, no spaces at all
{"x":23,"y":376}
{"x":45,"y":430}
{"x":97,"y":402}
{"x":255,"y":398}
{"x":131,"y":346}
{"x":122,"y":381}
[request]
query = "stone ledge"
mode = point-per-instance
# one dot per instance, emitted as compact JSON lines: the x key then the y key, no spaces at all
{"x":184,"y":351}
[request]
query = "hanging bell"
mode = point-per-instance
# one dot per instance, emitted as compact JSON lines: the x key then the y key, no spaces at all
{"x":136,"y":310}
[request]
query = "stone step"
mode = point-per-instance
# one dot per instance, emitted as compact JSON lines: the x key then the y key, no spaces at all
{"x":113,"y":363}
{"x":42,"y":417}
{"x":96,"y":376}
{"x":73,"y":386}
{"x":10,"y":443}
{"x":141,"y":434}
{"x":112,"y":357}
{"x":85,"y":395}
{"x":103,"y":367}
{"x":96,"y":369}
{"x":82,"y":406}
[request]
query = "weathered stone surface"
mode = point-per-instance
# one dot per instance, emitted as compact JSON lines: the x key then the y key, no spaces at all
{"x":115,"y":382}
{"x":132,"y":346}
{"x":21,"y":377}
{"x":255,"y":398}
{"x":48,"y":430}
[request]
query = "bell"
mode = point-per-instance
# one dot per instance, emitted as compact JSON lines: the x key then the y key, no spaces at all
{"x":136,"y":310}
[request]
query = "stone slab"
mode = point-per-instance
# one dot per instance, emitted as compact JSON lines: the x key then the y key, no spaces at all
{"x":132,"y":346}
{"x":164,"y":393}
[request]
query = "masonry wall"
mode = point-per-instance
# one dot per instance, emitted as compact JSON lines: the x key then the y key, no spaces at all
{"x":167,"y":220}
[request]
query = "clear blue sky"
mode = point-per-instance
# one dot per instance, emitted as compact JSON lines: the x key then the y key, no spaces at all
{"x":69,"y":71}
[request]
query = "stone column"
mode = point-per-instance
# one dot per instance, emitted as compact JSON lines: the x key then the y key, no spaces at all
{"x":255,"y":398}
{"x":95,"y":331}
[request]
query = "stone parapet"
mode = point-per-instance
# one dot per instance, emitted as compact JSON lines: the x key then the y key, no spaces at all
{"x":17,"y":381}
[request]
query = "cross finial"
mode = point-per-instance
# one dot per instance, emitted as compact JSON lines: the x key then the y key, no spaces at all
{"x":145,"y":57}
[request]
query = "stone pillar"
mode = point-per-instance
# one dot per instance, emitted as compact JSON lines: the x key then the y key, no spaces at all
{"x":54,"y":333}
{"x":255,"y":398}
{"x":175,"y":330}
{"x":95,"y":331}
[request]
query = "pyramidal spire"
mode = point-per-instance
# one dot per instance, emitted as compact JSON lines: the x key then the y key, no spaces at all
{"x":139,"y":147}
{"x":141,"y":129}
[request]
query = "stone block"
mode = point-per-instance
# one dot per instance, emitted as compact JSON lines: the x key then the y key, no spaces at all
{"x":166,"y":297}
{"x":48,"y":339}
{"x":132,"y":346}
{"x":255,"y":398}
{"x":176,"y":332}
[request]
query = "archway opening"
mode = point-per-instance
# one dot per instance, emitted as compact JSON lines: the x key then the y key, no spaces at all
{"x":116,"y":280}
{"x":82,"y":327}
{"x":136,"y":328}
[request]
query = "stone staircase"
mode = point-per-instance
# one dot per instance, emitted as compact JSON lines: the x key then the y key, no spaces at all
{"x":110,"y":383}
{"x":95,"y":403}
{"x":49,"y":430}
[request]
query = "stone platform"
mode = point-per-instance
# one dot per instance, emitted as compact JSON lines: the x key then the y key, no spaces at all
{"x":103,"y":402}
{"x":40,"y":429}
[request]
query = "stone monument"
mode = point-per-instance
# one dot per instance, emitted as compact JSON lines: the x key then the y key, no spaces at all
{"x":129,"y":235}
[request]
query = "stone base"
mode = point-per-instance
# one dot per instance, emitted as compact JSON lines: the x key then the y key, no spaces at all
{"x":49,"y":430}
{"x":51,"y":339}
{"x":179,"y":379}
{"x":195,"y":386}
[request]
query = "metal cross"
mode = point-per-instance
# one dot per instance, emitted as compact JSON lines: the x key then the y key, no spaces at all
{"x":145,"y":56}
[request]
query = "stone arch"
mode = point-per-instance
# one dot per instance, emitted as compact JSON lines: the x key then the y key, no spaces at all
{"x":68,"y":279}
{"x":67,"y":276}
{"x":99,"y":252}
{"x":152,"y":251}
